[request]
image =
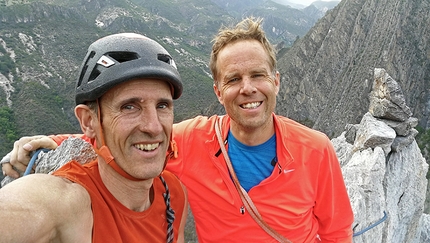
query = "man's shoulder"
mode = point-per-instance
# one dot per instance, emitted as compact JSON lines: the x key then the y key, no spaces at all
{"x":41,"y":183}
{"x":298,"y":131}
{"x":46,"y":205}
{"x":197,"y":120}
{"x":51,"y":191}
{"x":62,"y":188}
{"x":202,"y":123}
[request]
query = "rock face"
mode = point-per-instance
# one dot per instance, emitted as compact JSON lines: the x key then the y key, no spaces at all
{"x":71,"y":149}
{"x":384,"y":170}
{"x":327,"y":75}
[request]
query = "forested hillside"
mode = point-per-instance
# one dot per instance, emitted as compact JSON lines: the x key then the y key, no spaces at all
{"x":43,"y":42}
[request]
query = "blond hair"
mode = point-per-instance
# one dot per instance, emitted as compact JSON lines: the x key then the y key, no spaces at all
{"x":247,"y":29}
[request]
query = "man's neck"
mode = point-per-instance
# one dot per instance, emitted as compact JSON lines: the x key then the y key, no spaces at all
{"x":252,"y":136}
{"x":135,"y":195}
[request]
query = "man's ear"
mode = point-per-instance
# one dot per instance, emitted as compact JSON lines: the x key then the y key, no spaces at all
{"x":87,"y":119}
{"x":277,"y":82}
{"x":218,"y":94}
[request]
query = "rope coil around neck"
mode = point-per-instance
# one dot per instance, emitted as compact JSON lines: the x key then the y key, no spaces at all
{"x":170,"y":213}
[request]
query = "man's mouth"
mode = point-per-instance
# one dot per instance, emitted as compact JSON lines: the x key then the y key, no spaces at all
{"x":251,"y":105}
{"x":147,"y":147}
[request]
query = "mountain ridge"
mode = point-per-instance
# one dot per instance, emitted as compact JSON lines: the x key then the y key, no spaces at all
{"x":42,"y":44}
{"x":328,"y":71}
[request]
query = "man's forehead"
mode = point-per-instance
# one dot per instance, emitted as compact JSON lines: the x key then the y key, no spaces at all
{"x":248,"y":71}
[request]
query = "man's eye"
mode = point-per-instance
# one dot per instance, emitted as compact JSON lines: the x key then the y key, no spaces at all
{"x":232,"y":80}
{"x":128,"y":107}
{"x":258,"y":76}
{"x":163,"y":105}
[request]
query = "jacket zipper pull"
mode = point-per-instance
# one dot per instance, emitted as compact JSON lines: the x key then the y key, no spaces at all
{"x":280,"y":168}
{"x":242,"y":210}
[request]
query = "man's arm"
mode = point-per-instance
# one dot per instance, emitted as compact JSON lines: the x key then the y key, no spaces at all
{"x":332,"y":206}
{"x":44,"y":208}
{"x":20,"y":155}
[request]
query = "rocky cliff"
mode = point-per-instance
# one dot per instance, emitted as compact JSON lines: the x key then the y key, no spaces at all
{"x":383,"y":168}
{"x":327,"y":75}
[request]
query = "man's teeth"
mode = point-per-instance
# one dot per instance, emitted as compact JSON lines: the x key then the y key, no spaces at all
{"x":147,"y":147}
{"x":251,"y":105}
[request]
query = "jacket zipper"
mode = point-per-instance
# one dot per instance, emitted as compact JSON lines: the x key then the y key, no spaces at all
{"x":229,"y":181}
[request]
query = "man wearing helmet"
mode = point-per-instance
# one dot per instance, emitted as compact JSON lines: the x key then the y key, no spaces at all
{"x":289,"y":172}
{"x":124,"y":104}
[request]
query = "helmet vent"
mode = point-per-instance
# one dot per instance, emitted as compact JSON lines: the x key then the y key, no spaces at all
{"x":109,"y":60}
{"x":123,"y":56}
{"x":94,"y":74}
{"x":84,"y":68}
{"x":167,"y":59}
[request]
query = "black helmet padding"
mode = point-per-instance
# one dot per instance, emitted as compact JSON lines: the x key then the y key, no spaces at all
{"x":118,"y":58}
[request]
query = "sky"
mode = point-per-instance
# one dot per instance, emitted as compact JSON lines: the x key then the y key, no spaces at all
{"x":306,"y":2}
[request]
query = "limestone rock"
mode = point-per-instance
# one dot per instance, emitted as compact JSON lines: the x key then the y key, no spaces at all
{"x":403,"y":128}
{"x":384,"y":170}
{"x":373,"y":133}
{"x":401,"y":142}
{"x":351,"y":131}
{"x":425,"y":228}
{"x":71,"y":149}
{"x":386,"y":99}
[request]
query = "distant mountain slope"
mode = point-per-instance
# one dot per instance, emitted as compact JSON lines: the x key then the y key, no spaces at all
{"x":42,"y":46}
{"x":42,"y":43}
{"x":326,"y":76}
{"x":283,"y":22}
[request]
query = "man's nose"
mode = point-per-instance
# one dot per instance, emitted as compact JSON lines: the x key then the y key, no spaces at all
{"x":248,"y":86}
{"x":150,"y":122}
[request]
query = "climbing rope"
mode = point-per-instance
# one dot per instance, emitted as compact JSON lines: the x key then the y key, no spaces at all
{"x":170,"y":213}
{"x":33,"y":160}
{"x":371,"y":226}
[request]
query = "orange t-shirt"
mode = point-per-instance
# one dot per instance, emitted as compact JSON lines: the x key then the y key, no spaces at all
{"x":113,"y":222}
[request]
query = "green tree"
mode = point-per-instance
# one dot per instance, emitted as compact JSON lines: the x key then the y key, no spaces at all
{"x":8,"y":130}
